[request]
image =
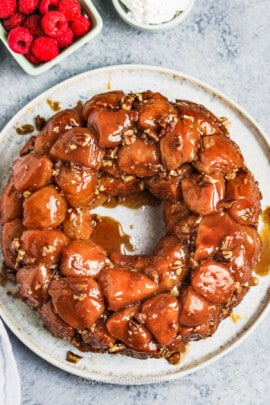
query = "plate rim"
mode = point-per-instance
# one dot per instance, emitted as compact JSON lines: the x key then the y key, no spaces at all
{"x":247,"y":330}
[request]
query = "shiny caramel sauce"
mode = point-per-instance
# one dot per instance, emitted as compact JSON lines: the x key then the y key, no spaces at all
{"x":25,"y":129}
{"x":253,"y":282}
{"x":262,"y":268}
{"x":54,"y":105}
{"x":39,"y":122}
{"x":72,"y":357}
{"x":110,"y":235}
{"x":134,"y":201}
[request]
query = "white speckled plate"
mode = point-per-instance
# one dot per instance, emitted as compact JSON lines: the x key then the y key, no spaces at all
{"x":117,"y":369}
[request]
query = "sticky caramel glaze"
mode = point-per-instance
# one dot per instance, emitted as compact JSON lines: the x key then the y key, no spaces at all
{"x":25,"y":129}
{"x":111,"y":147}
{"x":254,"y":281}
{"x":109,"y":233}
{"x":262,"y":268}
{"x":54,"y":105}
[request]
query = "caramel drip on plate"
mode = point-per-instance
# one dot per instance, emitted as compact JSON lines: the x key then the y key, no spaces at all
{"x":25,"y":129}
{"x":262,"y":268}
{"x":54,"y":105}
{"x":109,"y":233}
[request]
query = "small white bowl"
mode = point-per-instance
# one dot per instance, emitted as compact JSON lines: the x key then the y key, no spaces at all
{"x":34,"y":70}
{"x":125,"y":15}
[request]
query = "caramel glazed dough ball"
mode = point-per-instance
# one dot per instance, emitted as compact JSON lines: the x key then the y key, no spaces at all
{"x":113,"y":145}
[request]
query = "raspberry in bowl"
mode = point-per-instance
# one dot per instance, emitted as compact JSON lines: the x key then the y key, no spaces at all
{"x":41,"y":33}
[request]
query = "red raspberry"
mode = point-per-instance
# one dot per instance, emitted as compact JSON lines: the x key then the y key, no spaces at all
{"x":27,"y":6}
{"x":53,"y":23}
{"x":48,"y":5}
{"x":45,"y":48}
{"x":80,"y":26}
{"x":33,"y":24}
{"x":7,"y":8}
{"x":15,"y":20}
{"x":31,"y":57}
{"x":71,"y":9}
{"x":20,"y":40}
{"x":65,"y":38}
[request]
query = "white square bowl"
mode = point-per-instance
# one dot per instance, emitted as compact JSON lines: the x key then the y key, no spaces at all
{"x":89,"y":9}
